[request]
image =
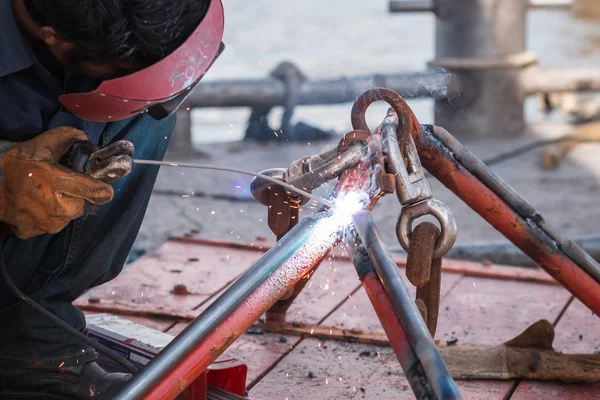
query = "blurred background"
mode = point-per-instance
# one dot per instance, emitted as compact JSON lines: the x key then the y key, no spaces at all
{"x":516,"y":73}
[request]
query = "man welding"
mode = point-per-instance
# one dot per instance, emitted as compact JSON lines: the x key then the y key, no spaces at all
{"x":72,"y":70}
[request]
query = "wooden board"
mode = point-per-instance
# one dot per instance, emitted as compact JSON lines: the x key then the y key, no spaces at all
{"x":577,"y":331}
{"x":147,"y":285}
{"x":491,"y":307}
{"x":339,"y":371}
{"x":490,"y":311}
{"x":357,"y":312}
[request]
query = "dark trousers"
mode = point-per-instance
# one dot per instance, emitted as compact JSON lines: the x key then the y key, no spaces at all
{"x":56,"y":269}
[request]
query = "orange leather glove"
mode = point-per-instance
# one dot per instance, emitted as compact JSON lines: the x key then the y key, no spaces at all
{"x":37,"y":194}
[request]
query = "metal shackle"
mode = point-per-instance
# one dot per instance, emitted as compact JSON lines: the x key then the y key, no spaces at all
{"x":437,"y":209}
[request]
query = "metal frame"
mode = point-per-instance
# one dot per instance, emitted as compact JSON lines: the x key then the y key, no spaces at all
{"x":299,"y":252}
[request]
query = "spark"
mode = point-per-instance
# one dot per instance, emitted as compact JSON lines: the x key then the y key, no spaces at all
{"x":241,"y":210}
{"x":312,"y":331}
{"x":113,"y":292}
{"x":260,"y":62}
{"x":61,"y":364}
{"x":260,"y":220}
{"x":340,"y":378}
{"x":327,"y":381}
{"x":339,"y":357}
{"x":287,"y":374}
{"x":309,"y":285}
{"x":231,"y":125}
{"x":213,"y":212}
{"x":275,"y":133}
{"x":238,"y":187}
{"x":227,"y":256}
{"x":185,"y":196}
{"x":30,"y":174}
{"x":319,"y":344}
{"x":188,"y":109}
{"x":197,"y":209}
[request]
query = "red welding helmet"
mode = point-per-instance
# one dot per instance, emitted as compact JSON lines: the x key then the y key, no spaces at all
{"x":161,"y":88}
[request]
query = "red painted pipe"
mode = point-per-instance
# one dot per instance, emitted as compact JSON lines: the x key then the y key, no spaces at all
{"x":252,"y":308}
{"x":389,"y":320}
{"x":506,"y":220}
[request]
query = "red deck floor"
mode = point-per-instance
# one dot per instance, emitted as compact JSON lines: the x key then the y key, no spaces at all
{"x":480,"y":304}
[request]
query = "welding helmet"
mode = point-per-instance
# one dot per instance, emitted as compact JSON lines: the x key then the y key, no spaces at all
{"x":161,"y":88}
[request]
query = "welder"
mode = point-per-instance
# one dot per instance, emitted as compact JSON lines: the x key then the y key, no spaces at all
{"x":73,"y":70}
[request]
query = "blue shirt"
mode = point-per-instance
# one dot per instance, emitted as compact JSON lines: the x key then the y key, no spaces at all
{"x":56,"y":269}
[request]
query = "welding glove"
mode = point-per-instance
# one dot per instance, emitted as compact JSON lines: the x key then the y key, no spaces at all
{"x":37,"y":194}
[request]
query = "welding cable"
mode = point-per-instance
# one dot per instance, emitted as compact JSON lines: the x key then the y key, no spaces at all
{"x":534,"y":145}
{"x":59,"y":322}
{"x":238,"y":171}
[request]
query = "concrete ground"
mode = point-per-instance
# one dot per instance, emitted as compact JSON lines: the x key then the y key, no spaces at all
{"x":361,"y":37}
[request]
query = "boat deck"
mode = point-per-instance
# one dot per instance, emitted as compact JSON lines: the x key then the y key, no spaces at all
{"x":334,"y":346}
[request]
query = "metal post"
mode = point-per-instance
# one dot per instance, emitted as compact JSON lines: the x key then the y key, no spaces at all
{"x":482,"y":43}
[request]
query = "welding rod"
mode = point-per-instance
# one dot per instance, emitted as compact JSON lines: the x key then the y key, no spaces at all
{"x":237,"y":171}
{"x":416,"y":331}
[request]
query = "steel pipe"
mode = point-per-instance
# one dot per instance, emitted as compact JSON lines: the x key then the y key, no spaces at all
{"x":505,"y":253}
{"x":416,"y":331}
{"x":429,"y":5}
{"x":412,"y":6}
{"x":185,"y":358}
{"x":516,"y":202}
{"x":413,"y":370}
{"x":526,"y":234}
{"x":545,"y":80}
{"x":269,"y":92}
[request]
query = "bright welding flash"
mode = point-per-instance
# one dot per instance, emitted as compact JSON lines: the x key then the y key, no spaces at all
{"x":346,"y":205}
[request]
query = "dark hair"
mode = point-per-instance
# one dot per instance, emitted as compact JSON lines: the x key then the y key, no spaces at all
{"x":107,"y":31}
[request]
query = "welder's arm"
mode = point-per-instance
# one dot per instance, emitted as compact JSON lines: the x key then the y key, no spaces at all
{"x":37,"y":194}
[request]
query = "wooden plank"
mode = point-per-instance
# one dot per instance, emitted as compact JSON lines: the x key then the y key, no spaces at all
{"x":147,"y":285}
{"x":332,"y":282}
{"x":159,"y":324}
{"x":322,"y":370}
{"x":578,"y":331}
{"x":470,"y":268}
{"x":357,"y":313}
{"x":529,"y":390}
{"x":389,"y":383}
{"x":490,"y":311}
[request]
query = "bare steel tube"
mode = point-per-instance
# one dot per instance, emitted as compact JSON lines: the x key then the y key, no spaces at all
{"x":293,"y":256}
{"x":416,"y":331}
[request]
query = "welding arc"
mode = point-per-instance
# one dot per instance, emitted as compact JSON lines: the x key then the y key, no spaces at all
{"x":238,"y":171}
